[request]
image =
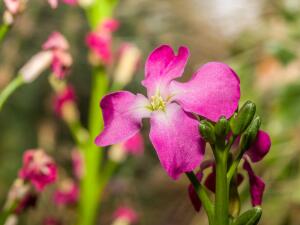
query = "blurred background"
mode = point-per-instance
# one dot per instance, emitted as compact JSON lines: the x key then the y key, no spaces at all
{"x":259,"y":39}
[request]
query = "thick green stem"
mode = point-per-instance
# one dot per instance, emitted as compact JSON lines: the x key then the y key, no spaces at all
{"x":10,"y":89}
{"x":222,"y":196}
{"x":90,"y":193}
{"x":207,"y":204}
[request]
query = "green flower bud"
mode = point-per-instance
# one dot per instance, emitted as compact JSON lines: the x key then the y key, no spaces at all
{"x":222,"y":127}
{"x":243,"y":118}
{"x":207,"y":131}
{"x":221,"y":130}
{"x":234,"y":198}
{"x":250,"y":217}
{"x":250,"y":134}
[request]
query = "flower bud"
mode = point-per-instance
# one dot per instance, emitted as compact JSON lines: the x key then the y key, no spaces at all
{"x":207,"y":131}
{"x":250,"y":217}
{"x":250,"y":134}
{"x":125,"y":216}
{"x":234,"y":198}
{"x":221,"y":130}
{"x":128,"y":60}
{"x":35,"y":66}
{"x":241,"y":121}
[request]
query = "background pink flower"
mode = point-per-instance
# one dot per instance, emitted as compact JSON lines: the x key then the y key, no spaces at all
{"x":38,"y":168}
{"x":127,"y":214}
{"x":67,"y":193}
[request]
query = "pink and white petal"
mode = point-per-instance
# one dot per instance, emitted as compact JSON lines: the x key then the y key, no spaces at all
{"x":56,"y":41}
{"x":122,"y":115}
{"x":260,"y":147}
{"x":175,"y":137}
{"x":257,"y":185}
{"x":212,"y":92}
{"x":162,"y":66}
{"x":13,"y":6}
{"x":53,"y":3}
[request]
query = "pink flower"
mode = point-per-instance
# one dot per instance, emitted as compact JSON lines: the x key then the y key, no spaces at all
{"x":77,"y":164}
{"x":13,"y":6}
{"x":62,"y":98}
{"x":126,"y":214}
{"x":134,"y":145}
{"x":100,"y":41}
{"x":38,"y":168}
{"x":213,"y":91}
{"x":61,"y":58}
{"x":255,"y":153}
{"x":67,"y":193}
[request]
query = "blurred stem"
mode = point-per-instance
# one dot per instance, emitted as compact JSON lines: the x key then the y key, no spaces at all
{"x":3,"y":31}
{"x":222,"y":195}
{"x":90,"y":191}
{"x":234,"y":166}
{"x":207,"y":204}
{"x":10,"y":89}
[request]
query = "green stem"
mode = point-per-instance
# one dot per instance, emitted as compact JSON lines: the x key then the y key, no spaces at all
{"x":3,"y":31}
{"x":207,"y":204}
{"x":234,"y":166}
{"x":222,"y":196}
{"x":90,"y":193}
{"x":10,"y":89}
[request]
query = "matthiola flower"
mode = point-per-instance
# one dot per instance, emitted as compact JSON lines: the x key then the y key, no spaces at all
{"x":255,"y":153}
{"x":212,"y":92}
{"x":38,"y":168}
{"x":132,"y":146}
{"x":61,"y":58}
{"x":100,"y":41}
{"x":125,"y":215}
{"x":67,"y":193}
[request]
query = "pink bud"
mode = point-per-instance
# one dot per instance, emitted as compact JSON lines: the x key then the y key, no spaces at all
{"x":62,"y":59}
{"x":129,"y":57}
{"x":67,"y":193}
{"x":100,"y":41}
{"x":78,"y":164}
{"x":53,"y":3}
{"x":38,"y":168}
{"x":135,"y":144}
{"x":126,"y":214}
{"x":36,"y":65}
{"x":67,"y":95}
{"x":13,"y":6}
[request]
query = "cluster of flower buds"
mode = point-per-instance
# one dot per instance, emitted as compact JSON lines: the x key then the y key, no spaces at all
{"x":100,"y":44}
{"x":241,"y":137}
{"x":125,"y":216}
{"x":38,"y":171}
{"x":55,"y":53}
{"x":38,"y":168}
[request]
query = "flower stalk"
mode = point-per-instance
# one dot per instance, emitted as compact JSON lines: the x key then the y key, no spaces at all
{"x":10,"y":89}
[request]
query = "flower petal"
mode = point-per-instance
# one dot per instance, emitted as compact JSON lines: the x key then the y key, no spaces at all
{"x":122,"y":115}
{"x":213,"y":91}
{"x":162,"y":66}
{"x":257,"y":185}
{"x":175,"y":137}
{"x":260,"y":147}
